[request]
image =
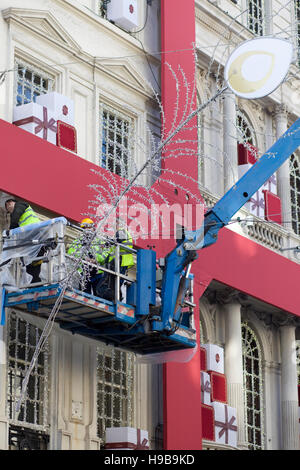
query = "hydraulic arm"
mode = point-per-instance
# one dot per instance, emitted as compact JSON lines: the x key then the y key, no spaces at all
{"x":219,"y":216}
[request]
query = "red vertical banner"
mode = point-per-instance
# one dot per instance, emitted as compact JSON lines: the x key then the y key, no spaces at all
{"x":182,"y":394}
{"x":178,"y":90}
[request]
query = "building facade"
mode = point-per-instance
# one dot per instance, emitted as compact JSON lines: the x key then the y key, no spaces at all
{"x":81,"y":386}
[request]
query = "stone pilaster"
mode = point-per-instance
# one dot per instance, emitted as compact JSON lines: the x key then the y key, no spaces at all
{"x":234,"y":365}
{"x":283,"y":173}
{"x":229,"y":140}
{"x":289,"y":396}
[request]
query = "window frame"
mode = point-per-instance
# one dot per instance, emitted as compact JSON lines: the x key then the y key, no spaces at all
{"x":295,"y":191}
{"x":256,"y":22}
{"x":126,"y":169}
{"x":245,"y":133}
{"x":109,"y":390}
{"x":16,"y":374}
{"x":35,"y":89}
{"x":251,"y":413}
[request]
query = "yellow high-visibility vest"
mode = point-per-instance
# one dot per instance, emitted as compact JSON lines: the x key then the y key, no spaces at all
{"x":28,"y":217}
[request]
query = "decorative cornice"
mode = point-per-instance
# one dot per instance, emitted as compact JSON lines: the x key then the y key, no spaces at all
{"x":225,"y":296}
{"x":280,"y":110}
{"x":278,"y":319}
{"x":42,"y":23}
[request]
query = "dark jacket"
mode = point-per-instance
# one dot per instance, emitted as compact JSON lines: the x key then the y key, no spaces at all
{"x":19,"y":208}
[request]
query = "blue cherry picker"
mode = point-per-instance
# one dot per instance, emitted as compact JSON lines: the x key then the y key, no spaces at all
{"x":141,"y":324}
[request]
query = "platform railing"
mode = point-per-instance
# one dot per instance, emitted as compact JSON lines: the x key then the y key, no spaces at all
{"x":115,"y":273}
{"x":57,"y":264}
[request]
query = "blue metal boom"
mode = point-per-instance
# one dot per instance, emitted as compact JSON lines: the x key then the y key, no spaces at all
{"x":219,"y":216}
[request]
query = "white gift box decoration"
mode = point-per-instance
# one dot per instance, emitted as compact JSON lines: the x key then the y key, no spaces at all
{"x":205,"y":388}
{"x":214,"y":357}
{"x":225,"y":424}
{"x":124,"y":13}
{"x":256,"y":204}
{"x":37,"y":120}
{"x":271,"y":184}
{"x":126,"y":438}
{"x":62,"y":106}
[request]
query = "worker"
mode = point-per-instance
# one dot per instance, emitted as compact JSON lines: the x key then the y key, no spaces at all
{"x":106,"y":284}
{"x":21,"y":214}
{"x":97,"y":254}
{"x":124,"y":237}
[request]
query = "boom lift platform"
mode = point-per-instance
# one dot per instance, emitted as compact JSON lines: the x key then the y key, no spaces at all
{"x":140,"y":324}
{"x":133,"y":325}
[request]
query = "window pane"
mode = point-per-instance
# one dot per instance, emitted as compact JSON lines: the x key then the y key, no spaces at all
{"x":115,"y":398}
{"x":256,"y":16}
{"x":295,"y":192}
{"x":30,"y":83}
{"x":116,"y":141}
{"x":252,"y":370}
{"x":22,"y":340}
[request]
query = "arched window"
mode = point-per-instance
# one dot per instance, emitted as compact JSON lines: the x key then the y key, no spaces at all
{"x":295,"y":192}
{"x":245,"y":132}
{"x":253,"y":389}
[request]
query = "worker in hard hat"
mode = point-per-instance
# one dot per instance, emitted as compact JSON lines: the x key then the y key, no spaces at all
{"x":105,"y":286}
{"x":97,"y":253}
{"x":21,"y":214}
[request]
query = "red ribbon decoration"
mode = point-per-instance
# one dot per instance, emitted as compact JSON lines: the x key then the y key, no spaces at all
{"x":269,"y":182}
{"x":45,"y":124}
{"x":257,"y":203}
{"x":226,"y":426}
{"x":129,"y":445}
{"x":206,"y":387}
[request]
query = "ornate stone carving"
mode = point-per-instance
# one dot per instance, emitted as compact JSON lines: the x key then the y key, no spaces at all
{"x":280,"y":110}
{"x":225,"y":296}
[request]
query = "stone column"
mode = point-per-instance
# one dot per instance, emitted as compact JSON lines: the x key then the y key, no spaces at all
{"x":229,"y":140}
{"x":3,"y":391}
{"x":234,"y":365}
{"x":283,"y":174}
{"x":289,"y":394}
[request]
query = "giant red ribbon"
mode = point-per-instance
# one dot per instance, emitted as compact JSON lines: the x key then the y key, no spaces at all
{"x":41,"y":124}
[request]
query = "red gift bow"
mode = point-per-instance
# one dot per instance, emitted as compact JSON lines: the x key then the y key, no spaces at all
{"x":45,"y":124}
{"x":226,"y":426}
{"x":129,"y":445}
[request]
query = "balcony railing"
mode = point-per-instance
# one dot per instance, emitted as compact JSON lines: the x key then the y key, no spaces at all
{"x":268,"y":234}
